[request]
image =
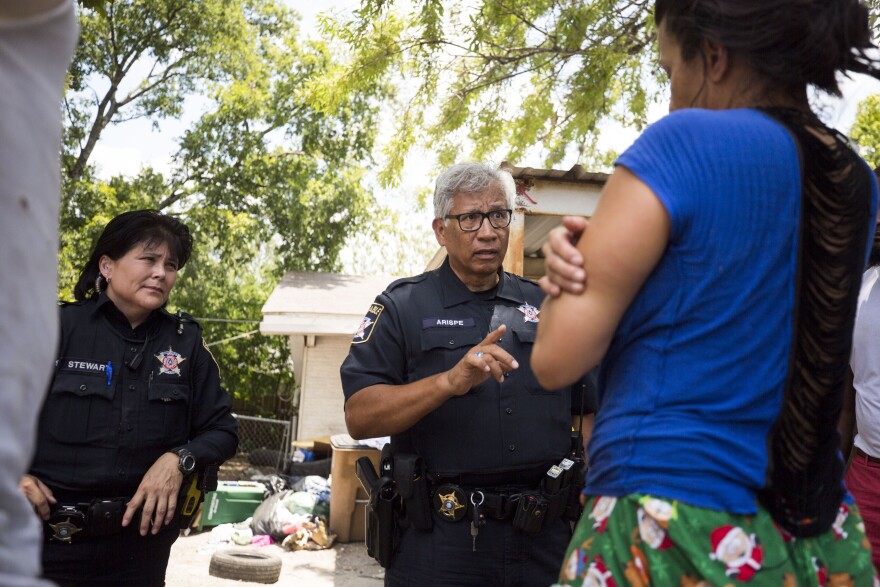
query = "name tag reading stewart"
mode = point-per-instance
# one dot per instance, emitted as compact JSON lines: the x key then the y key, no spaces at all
{"x":81,"y":366}
{"x":447,"y":322}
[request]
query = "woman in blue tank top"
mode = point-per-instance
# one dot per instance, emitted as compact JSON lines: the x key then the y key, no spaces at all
{"x":717,"y":285}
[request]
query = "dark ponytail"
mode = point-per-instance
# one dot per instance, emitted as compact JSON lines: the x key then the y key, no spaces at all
{"x":791,"y":43}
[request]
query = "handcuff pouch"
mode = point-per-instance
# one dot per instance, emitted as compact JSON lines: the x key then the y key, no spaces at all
{"x":104,"y":516}
{"x":531,"y":512}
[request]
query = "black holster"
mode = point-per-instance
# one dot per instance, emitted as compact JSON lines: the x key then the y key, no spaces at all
{"x":384,"y":511}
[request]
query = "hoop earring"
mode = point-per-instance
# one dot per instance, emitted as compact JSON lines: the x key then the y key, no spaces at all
{"x":98,"y":284}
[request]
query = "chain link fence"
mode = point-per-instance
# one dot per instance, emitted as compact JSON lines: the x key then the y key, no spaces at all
{"x":264,"y":447}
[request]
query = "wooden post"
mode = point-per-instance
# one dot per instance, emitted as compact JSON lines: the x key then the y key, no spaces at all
{"x":513,"y":260}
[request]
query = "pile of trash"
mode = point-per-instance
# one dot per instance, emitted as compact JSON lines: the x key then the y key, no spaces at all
{"x":293,"y":516}
{"x":297,"y":517}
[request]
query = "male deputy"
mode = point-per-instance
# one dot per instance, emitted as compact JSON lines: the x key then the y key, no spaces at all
{"x":441,"y":363}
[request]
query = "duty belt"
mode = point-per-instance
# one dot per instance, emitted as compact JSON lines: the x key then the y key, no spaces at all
{"x":499,"y":503}
{"x":72,"y":522}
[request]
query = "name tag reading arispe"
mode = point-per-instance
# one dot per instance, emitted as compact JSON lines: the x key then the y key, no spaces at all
{"x":447,"y":322}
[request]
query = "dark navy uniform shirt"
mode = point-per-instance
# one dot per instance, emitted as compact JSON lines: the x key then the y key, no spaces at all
{"x":120,"y":398}
{"x":424,"y":325}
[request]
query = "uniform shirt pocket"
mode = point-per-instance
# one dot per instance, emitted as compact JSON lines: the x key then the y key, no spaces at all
{"x":442,"y":348}
{"x":166,"y":417}
{"x":80,"y":409}
{"x":525,"y":341}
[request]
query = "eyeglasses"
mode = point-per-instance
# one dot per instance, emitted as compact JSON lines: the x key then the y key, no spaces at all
{"x":473,"y":221}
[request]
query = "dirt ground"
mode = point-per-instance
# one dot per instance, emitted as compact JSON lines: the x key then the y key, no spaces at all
{"x":343,"y":565}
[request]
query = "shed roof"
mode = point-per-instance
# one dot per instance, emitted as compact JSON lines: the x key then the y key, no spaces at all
{"x":576,"y":174}
{"x":320,"y":303}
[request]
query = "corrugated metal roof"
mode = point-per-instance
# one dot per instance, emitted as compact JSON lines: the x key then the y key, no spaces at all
{"x":576,"y":174}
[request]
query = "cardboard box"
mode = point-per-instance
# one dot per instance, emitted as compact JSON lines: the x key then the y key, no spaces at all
{"x":234,"y":501}
{"x":319,"y":446}
{"x":348,"y":500}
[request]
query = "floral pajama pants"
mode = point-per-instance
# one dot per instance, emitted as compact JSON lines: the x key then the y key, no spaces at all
{"x":640,"y":540}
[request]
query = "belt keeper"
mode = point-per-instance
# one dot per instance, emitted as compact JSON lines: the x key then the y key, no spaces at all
{"x":495,"y":505}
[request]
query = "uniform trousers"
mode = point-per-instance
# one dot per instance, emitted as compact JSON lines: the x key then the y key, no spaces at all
{"x":504,"y":556}
{"x":126,"y":558}
{"x":863,"y":481}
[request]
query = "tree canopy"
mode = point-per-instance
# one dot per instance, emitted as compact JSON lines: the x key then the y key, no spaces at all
{"x":508,"y":79}
{"x":266,"y":182}
{"x":509,"y":76}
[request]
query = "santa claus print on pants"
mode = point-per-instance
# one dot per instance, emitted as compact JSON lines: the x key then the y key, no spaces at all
{"x":739,"y":552}
{"x":601,"y":512}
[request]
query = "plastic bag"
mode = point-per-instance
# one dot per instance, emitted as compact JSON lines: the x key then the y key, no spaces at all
{"x":272,"y":516}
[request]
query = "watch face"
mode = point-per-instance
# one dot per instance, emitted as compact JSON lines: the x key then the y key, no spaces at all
{"x":187,"y":462}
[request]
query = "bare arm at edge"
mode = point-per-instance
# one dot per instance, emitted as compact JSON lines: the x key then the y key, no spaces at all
{"x":625,"y":240}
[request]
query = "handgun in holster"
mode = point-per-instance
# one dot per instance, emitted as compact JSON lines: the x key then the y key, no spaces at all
{"x":382,"y":531}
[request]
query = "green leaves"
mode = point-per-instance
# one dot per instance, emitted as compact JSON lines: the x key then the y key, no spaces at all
{"x":866,"y":130}
{"x":500,"y":77}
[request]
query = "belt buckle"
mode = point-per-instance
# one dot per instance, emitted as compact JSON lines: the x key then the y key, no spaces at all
{"x":68,"y":521}
{"x":450,"y":501}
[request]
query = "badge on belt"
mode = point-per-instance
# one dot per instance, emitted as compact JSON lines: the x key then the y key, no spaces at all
{"x":451,"y":502}
{"x":68,"y":521}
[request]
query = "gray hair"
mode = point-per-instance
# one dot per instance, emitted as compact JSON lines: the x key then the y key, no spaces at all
{"x":468,"y":178}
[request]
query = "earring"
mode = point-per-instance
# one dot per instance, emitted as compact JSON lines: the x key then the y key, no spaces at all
{"x":98,"y":284}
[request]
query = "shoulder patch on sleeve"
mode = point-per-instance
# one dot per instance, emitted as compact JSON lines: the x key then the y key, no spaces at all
{"x":366,"y":328}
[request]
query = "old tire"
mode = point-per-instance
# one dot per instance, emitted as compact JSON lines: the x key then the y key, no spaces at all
{"x":245,"y":565}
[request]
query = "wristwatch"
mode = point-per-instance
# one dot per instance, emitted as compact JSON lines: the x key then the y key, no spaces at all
{"x":186,"y":463}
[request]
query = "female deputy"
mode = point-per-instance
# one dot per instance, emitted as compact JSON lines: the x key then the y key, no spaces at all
{"x":722,"y":267}
{"x":135,"y":404}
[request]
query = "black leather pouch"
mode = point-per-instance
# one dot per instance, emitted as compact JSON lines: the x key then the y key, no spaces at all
{"x":105,"y":517}
{"x":412,"y":486}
